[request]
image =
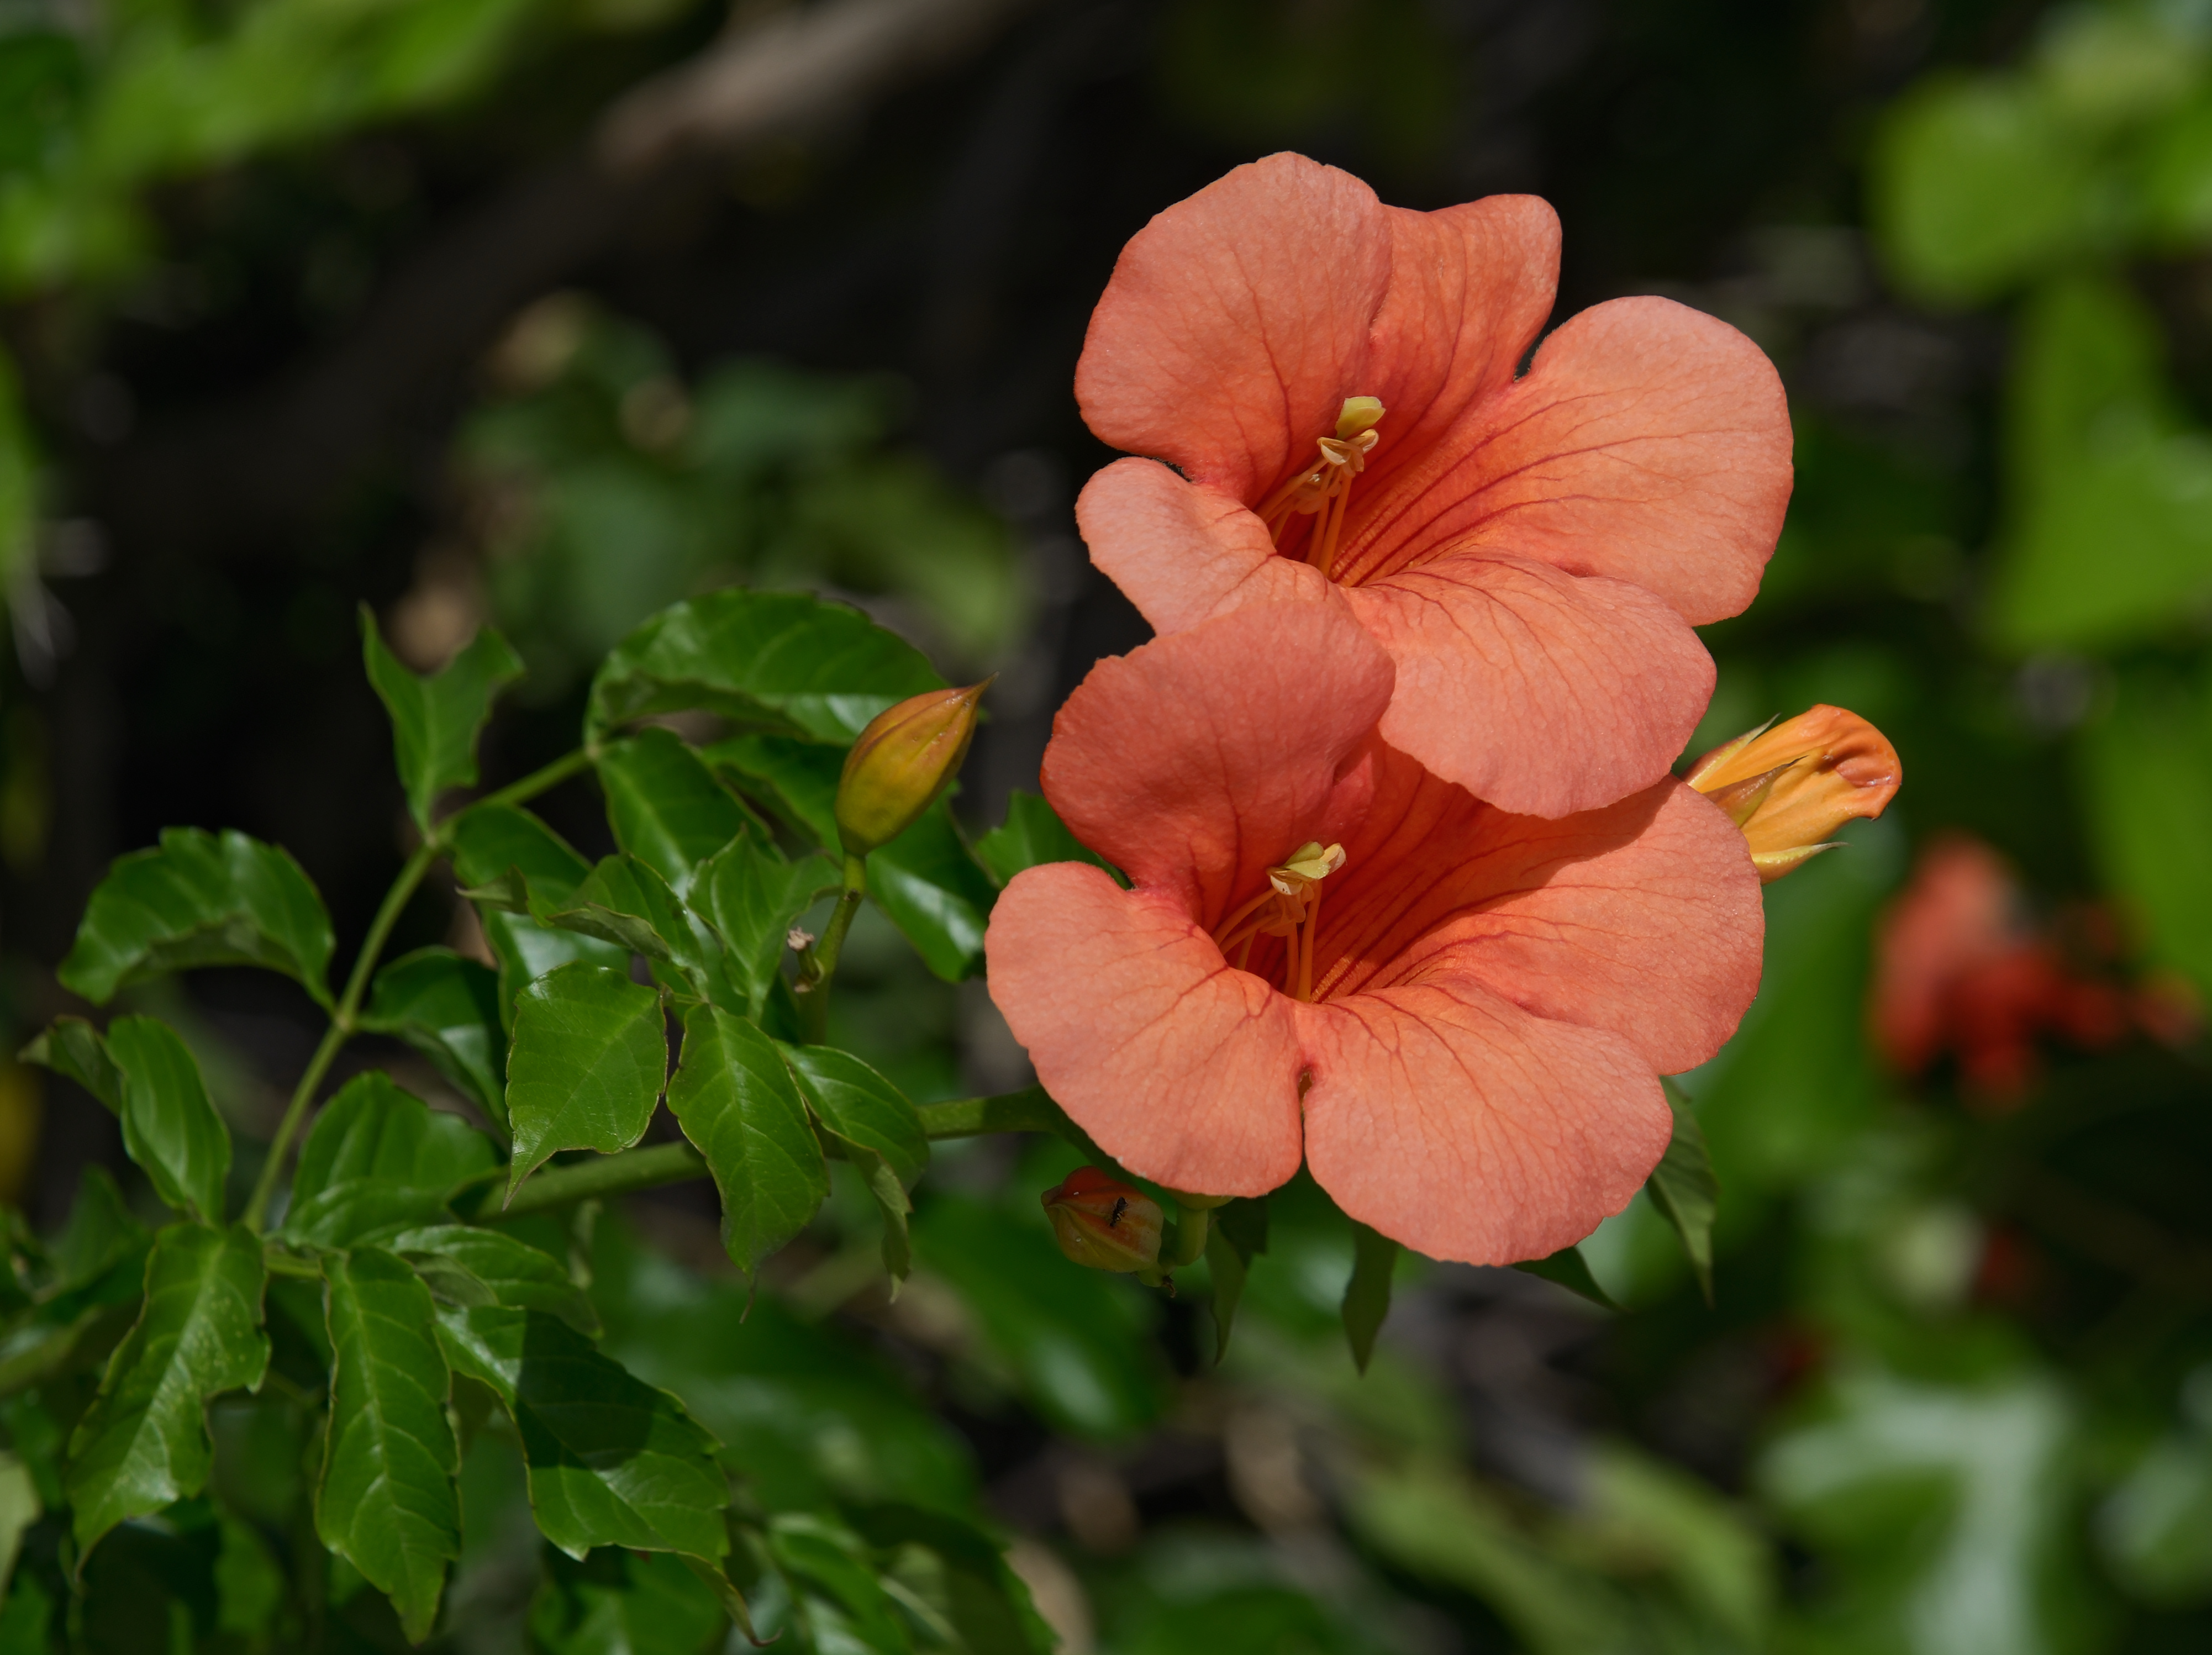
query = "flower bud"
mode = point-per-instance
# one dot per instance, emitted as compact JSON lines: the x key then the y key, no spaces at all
{"x":1104,"y":1223}
{"x":1790,"y":787}
{"x":901,"y":760}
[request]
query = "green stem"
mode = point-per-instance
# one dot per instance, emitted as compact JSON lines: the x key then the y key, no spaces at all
{"x":538,"y":781}
{"x":341,"y":1028}
{"x":812,"y":987}
{"x":1026,"y":1110}
{"x":607,"y":1175}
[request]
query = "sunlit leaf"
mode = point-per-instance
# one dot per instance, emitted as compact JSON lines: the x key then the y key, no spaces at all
{"x":589,"y":1059}
{"x":170,"y":1128}
{"x":143,"y":1442}
{"x":435,"y":720}
{"x":387,"y":1502}
{"x":378,"y":1160}
{"x":775,"y":661}
{"x":665,"y":806}
{"x":735,"y":1099}
{"x":200,"y":899}
{"x":448,"y":1008}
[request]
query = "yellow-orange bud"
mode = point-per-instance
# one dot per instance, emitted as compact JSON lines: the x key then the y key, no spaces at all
{"x":901,"y":760}
{"x":1104,"y":1223}
{"x":1790,"y":787}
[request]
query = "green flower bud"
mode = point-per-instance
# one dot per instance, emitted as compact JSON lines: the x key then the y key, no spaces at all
{"x":901,"y":760}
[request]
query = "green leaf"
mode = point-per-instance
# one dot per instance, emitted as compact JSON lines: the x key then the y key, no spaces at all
{"x":618,"y":1603}
{"x":962,"y":1576}
{"x":589,"y":1060}
{"x":169,"y":1128}
{"x":626,"y":901}
{"x":378,"y":1160}
{"x":1683,"y":1188}
{"x":840,"y":1598}
{"x":611,"y":1461}
{"x":754,"y":897}
{"x":1977,"y":183}
{"x":435,"y":720}
{"x":143,"y":1442}
{"x":490,"y":841}
{"x":72,"y":1048}
{"x":19,"y":1507}
{"x":859,"y":1107}
{"x":1075,"y":1338}
{"x":2106,"y":535}
{"x":1237,"y":1234}
{"x":2148,"y":799}
{"x":796,"y":781}
{"x":1367,"y":1295}
{"x":446,"y":1008}
{"x":665,"y":806}
{"x":1031,"y":835}
{"x":932,"y":886}
{"x":386,"y":1502}
{"x":99,"y":1234}
{"x":775,"y":661}
{"x":1570,"y":1270}
{"x":200,"y":899}
{"x":735,"y":1099}
{"x":471,"y":1267}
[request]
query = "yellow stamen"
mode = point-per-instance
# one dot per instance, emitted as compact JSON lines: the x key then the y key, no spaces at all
{"x":1290,"y":907}
{"x":1321,"y":490}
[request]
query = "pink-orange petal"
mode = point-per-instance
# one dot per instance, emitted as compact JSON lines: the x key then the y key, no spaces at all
{"x":1644,"y":919}
{"x":1184,"y":1070}
{"x":1181,"y":552}
{"x":1225,"y":338}
{"x":1198,"y":761}
{"x":1540,"y":692}
{"x":1648,"y":442}
{"x":1467,"y":1128}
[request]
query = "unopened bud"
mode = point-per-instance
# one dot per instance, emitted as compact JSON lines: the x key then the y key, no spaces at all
{"x":1104,"y":1223}
{"x":1790,"y":787}
{"x":900,"y":762}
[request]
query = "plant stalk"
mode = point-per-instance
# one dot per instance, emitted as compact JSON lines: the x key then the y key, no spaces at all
{"x":813,"y":989}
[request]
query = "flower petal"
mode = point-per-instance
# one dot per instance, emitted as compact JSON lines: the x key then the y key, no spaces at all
{"x":1184,"y":1070}
{"x":1649,"y":442}
{"x":1540,"y":692}
{"x":1468,"y":1128}
{"x":1194,"y":762}
{"x":1237,"y":321}
{"x":1644,"y":919}
{"x":1181,"y":551}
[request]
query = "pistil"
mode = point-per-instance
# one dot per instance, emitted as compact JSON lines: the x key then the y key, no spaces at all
{"x":1323,"y":489}
{"x":1290,"y":907}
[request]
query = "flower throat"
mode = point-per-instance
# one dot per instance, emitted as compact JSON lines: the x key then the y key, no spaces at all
{"x":1321,"y":490}
{"x":1289,"y":907}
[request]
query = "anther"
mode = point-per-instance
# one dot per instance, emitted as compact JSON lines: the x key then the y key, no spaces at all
{"x":1289,"y":908}
{"x":1321,"y":490}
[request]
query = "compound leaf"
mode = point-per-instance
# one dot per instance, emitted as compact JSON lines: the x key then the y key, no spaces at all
{"x":780,"y":662}
{"x":378,"y":1160}
{"x":490,"y":842}
{"x":446,"y":1008}
{"x":1031,"y":835}
{"x":169,"y":1128}
{"x":932,"y":887}
{"x":471,"y":1267}
{"x":753,"y":896}
{"x":735,"y":1099}
{"x":589,"y":1060}
{"x":143,"y":1442}
{"x":72,"y":1048}
{"x":386,"y":1502}
{"x":859,"y":1108}
{"x":665,"y":806}
{"x":200,"y":899}
{"x":435,"y":720}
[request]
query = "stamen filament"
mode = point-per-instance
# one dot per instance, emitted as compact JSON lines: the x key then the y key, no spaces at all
{"x":1306,"y":944}
{"x":1322,"y":490}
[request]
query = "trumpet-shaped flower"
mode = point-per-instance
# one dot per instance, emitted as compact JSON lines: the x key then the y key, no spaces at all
{"x":1455,"y":1015}
{"x":1335,"y":380}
